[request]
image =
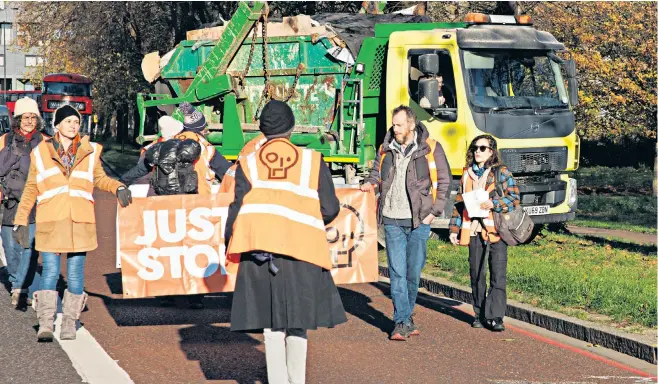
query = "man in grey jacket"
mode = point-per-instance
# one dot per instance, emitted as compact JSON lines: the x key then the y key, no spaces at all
{"x":413,"y":176}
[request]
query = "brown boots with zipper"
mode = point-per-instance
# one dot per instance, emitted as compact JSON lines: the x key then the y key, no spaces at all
{"x":46,"y":306}
{"x":72,"y":306}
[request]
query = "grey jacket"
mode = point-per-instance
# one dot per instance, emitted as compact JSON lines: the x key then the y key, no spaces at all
{"x":418,"y":179}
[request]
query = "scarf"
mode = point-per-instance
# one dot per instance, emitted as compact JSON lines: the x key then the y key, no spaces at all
{"x":66,"y":155}
{"x":479,"y":176}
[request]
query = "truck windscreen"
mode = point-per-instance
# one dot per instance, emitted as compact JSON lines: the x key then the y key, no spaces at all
{"x":67,"y":89}
{"x":508,"y":80}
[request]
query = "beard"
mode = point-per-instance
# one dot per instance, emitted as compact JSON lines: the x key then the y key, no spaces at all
{"x":403,"y":139}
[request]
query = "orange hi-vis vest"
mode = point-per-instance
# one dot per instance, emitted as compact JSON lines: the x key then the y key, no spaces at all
{"x":228,"y":181}
{"x":281,"y":213}
{"x":488,"y":228}
{"x":202,"y":166}
{"x":59,"y":197}
{"x":430,"y":162}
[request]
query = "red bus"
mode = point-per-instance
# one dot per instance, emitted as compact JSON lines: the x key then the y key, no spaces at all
{"x":9,"y":98}
{"x":66,"y":88}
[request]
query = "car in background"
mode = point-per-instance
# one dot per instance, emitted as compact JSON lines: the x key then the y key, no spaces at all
{"x":5,"y":119}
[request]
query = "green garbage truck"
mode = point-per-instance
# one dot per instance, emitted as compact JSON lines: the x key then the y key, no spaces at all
{"x":342,"y":74}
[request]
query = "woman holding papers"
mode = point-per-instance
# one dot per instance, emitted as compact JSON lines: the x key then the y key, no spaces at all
{"x":472,"y":225}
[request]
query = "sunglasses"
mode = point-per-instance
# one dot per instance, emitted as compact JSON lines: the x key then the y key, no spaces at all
{"x":481,"y":148}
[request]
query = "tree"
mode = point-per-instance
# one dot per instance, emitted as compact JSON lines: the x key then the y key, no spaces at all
{"x":614,"y":46}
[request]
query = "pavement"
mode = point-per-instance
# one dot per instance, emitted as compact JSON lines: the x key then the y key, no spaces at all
{"x":179,"y":345}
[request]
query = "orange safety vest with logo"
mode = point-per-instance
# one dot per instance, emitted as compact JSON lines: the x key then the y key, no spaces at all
{"x":228,"y":181}
{"x":430,"y":162}
{"x":202,"y":166}
{"x":59,"y":197}
{"x":488,"y":228}
{"x":281,"y":213}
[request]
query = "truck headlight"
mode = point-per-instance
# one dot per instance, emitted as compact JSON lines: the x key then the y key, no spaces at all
{"x":573,"y":192}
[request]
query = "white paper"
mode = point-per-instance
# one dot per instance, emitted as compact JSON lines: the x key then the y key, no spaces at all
{"x":472,"y":201}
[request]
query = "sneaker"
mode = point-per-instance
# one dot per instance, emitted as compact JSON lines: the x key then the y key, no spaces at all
{"x":496,"y":324}
{"x":477,"y":323}
{"x":413,"y":328}
{"x":400,"y":332}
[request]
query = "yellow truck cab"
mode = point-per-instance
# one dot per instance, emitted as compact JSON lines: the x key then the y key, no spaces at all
{"x":501,"y":78}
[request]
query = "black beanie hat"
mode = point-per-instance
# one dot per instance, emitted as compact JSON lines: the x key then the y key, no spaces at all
{"x":277,"y":119}
{"x":63,"y":112}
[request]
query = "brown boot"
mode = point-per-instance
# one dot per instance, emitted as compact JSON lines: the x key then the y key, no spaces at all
{"x":72,"y":306}
{"x":46,"y":304}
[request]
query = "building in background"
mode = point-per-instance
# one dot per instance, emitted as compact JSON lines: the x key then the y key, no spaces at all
{"x":14,"y":64}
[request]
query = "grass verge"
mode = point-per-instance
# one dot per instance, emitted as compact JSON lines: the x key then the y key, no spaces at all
{"x":612,"y":225}
{"x":632,"y":213}
{"x":613,"y":180}
{"x":605,"y":281}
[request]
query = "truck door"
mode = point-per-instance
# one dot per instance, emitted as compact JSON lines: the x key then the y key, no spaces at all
{"x":450,"y":132}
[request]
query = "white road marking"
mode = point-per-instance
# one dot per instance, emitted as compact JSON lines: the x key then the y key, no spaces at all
{"x":91,"y":361}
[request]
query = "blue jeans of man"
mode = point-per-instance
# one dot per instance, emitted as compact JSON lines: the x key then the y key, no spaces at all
{"x":21,"y":262}
{"x":75,"y":268}
{"x":406,"y":251}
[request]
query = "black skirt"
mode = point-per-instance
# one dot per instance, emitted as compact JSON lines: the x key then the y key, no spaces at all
{"x":299,"y":295}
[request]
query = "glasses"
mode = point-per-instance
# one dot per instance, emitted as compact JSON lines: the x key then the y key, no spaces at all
{"x":29,"y":118}
{"x":481,"y":148}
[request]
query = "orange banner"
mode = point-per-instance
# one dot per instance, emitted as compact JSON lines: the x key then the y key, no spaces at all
{"x":352,"y":238}
{"x":174,"y":245}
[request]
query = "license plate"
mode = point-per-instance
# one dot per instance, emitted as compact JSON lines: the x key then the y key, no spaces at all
{"x":536,"y":210}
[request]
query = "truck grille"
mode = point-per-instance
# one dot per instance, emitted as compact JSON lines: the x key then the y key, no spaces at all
{"x":533,"y":160}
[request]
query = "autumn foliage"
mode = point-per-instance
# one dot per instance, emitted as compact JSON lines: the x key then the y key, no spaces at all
{"x":614,"y":45}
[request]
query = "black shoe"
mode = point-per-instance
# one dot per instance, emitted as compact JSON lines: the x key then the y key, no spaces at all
{"x":496,"y":324}
{"x":476,"y":323}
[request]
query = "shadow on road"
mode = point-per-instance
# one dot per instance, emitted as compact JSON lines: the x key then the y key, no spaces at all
{"x":645,"y":249}
{"x":148,"y":311}
{"x":438,"y":304}
{"x":224,"y":355}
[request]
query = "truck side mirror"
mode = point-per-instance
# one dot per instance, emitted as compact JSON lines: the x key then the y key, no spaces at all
{"x":429,"y":64}
{"x":428,"y":99}
{"x":428,"y":93}
{"x":572,"y":81}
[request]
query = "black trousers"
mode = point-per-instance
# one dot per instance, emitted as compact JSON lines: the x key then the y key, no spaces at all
{"x":492,"y":304}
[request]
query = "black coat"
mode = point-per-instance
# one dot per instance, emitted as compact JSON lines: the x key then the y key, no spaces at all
{"x":14,"y":168}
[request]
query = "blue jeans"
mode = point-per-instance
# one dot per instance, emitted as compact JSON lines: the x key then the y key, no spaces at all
{"x":406,"y":251}
{"x":75,"y":268}
{"x":21,"y":262}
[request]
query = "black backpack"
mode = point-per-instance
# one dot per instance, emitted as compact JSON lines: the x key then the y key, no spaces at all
{"x":513,"y":227}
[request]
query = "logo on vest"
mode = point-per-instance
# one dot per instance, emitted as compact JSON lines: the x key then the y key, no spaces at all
{"x":278,"y":157}
{"x":345,"y":243}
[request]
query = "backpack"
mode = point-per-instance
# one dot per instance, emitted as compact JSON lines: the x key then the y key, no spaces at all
{"x":174,"y":172}
{"x":513,"y":227}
